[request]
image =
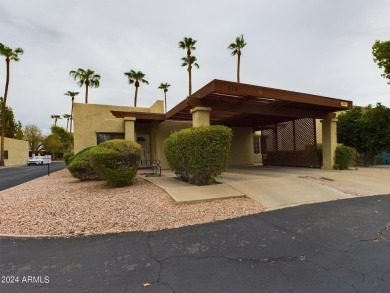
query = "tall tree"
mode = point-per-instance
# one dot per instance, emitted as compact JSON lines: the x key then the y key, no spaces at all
{"x":12,"y":127}
{"x":188,"y":44}
{"x":236,"y":50}
{"x":9,"y":54}
{"x":136,"y":77}
{"x":67,"y":117}
{"x":381,"y":52}
{"x":33,"y":135}
{"x":59,"y":141}
{"x":55,"y":117}
{"x":367,"y":130}
{"x":164,"y":87}
{"x":72,"y":95}
{"x":87,"y":77}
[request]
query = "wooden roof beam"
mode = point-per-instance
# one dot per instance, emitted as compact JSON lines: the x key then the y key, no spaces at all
{"x":259,"y":110}
{"x":233,"y":88}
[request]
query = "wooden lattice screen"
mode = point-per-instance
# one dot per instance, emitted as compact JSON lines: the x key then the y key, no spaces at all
{"x":291,"y":143}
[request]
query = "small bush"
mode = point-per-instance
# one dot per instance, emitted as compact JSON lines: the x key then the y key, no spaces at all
{"x":117,"y":162}
{"x":80,"y":165}
{"x":319,"y":154}
{"x":343,"y":157}
{"x":199,"y":154}
{"x":67,"y":156}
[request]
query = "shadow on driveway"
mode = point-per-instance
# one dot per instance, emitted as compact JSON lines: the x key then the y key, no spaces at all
{"x":338,"y":246}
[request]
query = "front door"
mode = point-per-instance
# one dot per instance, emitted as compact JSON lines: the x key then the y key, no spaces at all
{"x":144,"y":141}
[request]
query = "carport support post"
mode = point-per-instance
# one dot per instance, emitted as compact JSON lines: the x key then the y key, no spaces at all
{"x":200,"y":116}
{"x":329,"y":142}
{"x":129,"y":128}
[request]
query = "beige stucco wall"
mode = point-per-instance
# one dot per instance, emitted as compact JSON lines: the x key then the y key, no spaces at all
{"x":318,"y":130}
{"x":17,"y":152}
{"x":242,"y":152}
{"x":91,"y":118}
{"x":258,"y":158}
{"x":159,"y":132}
{"x":329,"y":144}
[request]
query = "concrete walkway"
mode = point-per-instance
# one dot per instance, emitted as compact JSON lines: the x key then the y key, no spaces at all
{"x":279,"y":187}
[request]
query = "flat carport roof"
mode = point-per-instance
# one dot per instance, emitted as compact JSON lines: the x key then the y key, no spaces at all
{"x":237,"y":104}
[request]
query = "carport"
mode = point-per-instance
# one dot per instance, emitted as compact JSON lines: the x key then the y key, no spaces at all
{"x":286,"y":119}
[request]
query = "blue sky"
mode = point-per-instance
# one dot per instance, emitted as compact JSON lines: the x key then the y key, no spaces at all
{"x":312,"y":46}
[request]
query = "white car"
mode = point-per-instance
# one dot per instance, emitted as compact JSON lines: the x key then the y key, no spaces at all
{"x":37,"y":160}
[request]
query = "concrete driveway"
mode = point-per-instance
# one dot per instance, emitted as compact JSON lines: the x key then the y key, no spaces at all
{"x":280,"y":187}
{"x":336,"y":246}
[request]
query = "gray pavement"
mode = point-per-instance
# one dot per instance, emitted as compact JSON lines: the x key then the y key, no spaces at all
{"x":336,"y":246}
{"x":12,"y":176}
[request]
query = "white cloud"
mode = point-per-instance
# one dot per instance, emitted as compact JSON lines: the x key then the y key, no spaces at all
{"x":314,"y":46}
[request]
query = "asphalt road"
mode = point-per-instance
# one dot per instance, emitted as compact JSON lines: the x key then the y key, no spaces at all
{"x":339,"y":246}
{"x":12,"y":176}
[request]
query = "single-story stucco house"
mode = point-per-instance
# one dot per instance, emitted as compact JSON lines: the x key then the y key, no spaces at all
{"x":285,"y":124}
{"x":15,"y":152}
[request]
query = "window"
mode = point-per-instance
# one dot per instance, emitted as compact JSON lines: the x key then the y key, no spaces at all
{"x":5,"y":155}
{"x":102,"y":137}
{"x":257,"y":144}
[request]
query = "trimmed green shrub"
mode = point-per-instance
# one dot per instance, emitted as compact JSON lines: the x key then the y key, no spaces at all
{"x":67,"y":156}
{"x":117,"y":161}
{"x":343,"y":157}
{"x":319,"y":154}
{"x":80,"y":165}
{"x":197,"y":155}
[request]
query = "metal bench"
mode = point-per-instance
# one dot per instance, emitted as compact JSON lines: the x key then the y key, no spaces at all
{"x":153,"y":165}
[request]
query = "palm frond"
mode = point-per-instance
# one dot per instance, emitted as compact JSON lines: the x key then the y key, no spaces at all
{"x":187,"y":43}
{"x":164,"y":86}
{"x":237,"y":45}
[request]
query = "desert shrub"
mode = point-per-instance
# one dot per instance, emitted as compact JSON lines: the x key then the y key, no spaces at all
{"x":199,"y":154}
{"x":117,"y":162}
{"x":80,"y":165}
{"x":67,"y":156}
{"x":343,"y":157}
{"x":319,"y":154}
{"x":80,"y":153}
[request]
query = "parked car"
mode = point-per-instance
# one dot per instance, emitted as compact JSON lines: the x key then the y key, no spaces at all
{"x":37,"y":160}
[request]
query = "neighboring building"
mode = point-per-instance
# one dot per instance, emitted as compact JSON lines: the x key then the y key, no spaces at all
{"x":15,"y":152}
{"x":285,"y":120}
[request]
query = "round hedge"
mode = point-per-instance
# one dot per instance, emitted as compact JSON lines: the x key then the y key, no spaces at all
{"x":117,"y":162}
{"x":80,"y":167}
{"x":199,"y":154}
{"x":343,"y":157}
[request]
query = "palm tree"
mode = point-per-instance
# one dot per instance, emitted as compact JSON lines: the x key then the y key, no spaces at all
{"x":9,"y":54}
{"x":55,"y":117}
{"x":87,"y":77}
{"x":236,"y":47}
{"x":164,"y":86}
{"x":136,"y":77}
{"x":188,"y":44}
{"x":72,"y":95}
{"x":192,"y":61}
{"x":67,"y":117}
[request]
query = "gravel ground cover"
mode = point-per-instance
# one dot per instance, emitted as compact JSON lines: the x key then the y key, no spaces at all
{"x":60,"y":205}
{"x":344,"y":189}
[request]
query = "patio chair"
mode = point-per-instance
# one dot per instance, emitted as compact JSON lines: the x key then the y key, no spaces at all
{"x":384,"y":157}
